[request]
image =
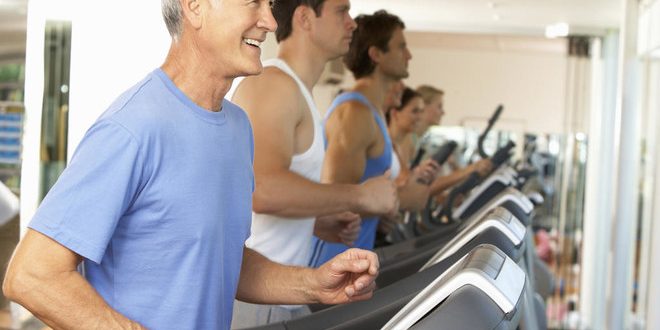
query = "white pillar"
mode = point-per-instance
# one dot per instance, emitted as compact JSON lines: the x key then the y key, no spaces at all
{"x":628,"y":127}
{"x":599,"y":184}
{"x":650,"y":272}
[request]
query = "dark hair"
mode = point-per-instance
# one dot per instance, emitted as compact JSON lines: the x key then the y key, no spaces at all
{"x":283,"y":13}
{"x":407,"y":95}
{"x":372,"y":30}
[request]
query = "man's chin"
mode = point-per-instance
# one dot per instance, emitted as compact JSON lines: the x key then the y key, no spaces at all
{"x":399,"y":76}
{"x":252,"y":71}
{"x":338,"y":54}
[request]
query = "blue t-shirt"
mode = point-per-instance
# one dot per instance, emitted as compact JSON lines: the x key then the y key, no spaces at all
{"x":157,"y":199}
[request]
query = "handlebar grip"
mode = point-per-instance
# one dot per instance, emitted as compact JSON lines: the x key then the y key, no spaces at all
{"x":482,"y":137}
{"x":502,"y":154}
{"x":418,"y":158}
{"x":445,"y":151}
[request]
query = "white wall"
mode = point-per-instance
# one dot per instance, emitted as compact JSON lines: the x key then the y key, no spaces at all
{"x":114,"y":50}
{"x":478,"y":72}
{"x":526,"y":75}
{"x":111,"y":51}
{"x":114,"y":45}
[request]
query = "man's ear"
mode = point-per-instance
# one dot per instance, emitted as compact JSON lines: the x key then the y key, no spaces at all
{"x":374,"y":54}
{"x":192,"y":12}
{"x":302,"y":17}
{"x":394,"y":114}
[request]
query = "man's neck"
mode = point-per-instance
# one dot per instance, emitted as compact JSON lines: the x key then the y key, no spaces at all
{"x":304,"y":59}
{"x":204,"y":87}
{"x":374,"y":87}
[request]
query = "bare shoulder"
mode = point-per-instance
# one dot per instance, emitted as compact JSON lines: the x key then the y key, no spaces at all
{"x":354,"y":121}
{"x":272,"y":90}
{"x":270,"y":77}
{"x":354,"y":115}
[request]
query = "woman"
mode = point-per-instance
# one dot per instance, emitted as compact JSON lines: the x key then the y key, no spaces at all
{"x":432,"y":113}
{"x":403,"y":119}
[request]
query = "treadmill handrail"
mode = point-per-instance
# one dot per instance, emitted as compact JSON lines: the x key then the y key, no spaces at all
{"x":482,"y":137}
{"x":502,"y":154}
{"x":469,"y":183}
{"x":418,"y":157}
{"x":508,"y":194}
{"x":440,"y":157}
{"x":500,"y":176}
{"x":444,"y":152}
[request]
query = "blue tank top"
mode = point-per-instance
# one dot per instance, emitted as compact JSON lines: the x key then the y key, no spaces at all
{"x":323,"y":251}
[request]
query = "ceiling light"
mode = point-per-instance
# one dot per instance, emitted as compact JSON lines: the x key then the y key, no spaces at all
{"x":557,"y":30}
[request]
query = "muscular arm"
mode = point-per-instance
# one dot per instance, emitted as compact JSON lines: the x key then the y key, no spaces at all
{"x":276,"y":108}
{"x":42,"y":277}
{"x":347,"y":277}
{"x":350,"y":132}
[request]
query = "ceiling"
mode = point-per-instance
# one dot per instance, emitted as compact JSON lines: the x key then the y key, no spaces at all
{"x":508,"y":17}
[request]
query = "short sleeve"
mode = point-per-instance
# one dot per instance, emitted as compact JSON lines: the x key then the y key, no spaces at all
{"x":83,"y":208}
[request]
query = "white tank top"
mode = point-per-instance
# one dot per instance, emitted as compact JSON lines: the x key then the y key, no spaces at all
{"x":395,"y":168}
{"x":288,"y":241}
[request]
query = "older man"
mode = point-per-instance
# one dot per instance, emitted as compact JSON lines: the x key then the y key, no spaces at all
{"x":156,"y":202}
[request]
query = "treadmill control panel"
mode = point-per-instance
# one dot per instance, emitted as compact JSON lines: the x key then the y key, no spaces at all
{"x":485,"y":268}
{"x":499,"y":218}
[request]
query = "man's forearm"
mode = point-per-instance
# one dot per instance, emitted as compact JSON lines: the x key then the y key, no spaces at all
{"x":265,"y":282}
{"x":347,"y":277}
{"x":65,"y":301}
{"x":287,"y":194}
{"x":413,"y":196}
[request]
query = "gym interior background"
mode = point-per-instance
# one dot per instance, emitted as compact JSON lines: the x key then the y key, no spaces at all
{"x":588,"y":99}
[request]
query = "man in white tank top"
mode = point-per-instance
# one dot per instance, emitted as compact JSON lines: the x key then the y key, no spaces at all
{"x":289,"y":149}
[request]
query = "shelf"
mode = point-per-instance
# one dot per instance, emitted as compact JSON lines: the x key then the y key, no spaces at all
{"x":11,"y":104}
{"x":12,"y":84}
{"x":11,"y":122}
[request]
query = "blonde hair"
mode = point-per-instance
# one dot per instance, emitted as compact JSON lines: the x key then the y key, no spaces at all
{"x":428,"y":93}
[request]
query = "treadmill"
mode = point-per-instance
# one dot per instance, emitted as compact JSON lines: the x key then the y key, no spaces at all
{"x":498,"y":228}
{"x":484,"y":281}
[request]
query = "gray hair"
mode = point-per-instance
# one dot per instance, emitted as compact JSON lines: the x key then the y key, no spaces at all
{"x":172,"y":15}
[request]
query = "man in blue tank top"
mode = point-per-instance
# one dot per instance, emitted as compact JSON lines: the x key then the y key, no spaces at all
{"x":358,"y":145}
{"x":156,"y":201}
